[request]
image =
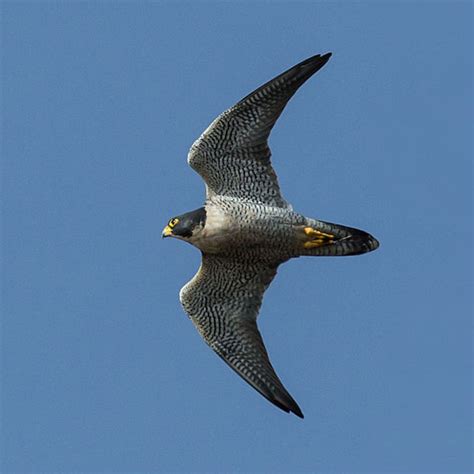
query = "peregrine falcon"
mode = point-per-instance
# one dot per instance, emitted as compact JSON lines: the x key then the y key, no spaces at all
{"x":246,"y":229}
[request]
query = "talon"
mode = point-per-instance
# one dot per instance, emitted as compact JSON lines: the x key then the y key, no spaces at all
{"x":317,"y":237}
{"x":310,"y":232}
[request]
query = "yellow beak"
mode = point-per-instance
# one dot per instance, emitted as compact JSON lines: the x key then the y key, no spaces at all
{"x":166,"y":232}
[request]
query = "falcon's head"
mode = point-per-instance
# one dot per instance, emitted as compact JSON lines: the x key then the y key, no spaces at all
{"x":186,"y":225}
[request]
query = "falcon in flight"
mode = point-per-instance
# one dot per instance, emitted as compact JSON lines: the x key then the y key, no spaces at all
{"x":246,"y":230}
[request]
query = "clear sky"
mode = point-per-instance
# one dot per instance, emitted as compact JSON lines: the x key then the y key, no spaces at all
{"x":102,"y":370}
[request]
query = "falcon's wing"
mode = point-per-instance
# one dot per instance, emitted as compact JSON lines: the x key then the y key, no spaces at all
{"x":233,"y":156}
{"x":223,"y":300}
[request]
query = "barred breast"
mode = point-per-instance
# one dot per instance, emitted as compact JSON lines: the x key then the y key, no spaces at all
{"x":235,"y":225}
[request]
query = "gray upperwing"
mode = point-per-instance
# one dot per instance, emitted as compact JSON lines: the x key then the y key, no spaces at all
{"x":223,"y":300}
{"x":233,"y":156}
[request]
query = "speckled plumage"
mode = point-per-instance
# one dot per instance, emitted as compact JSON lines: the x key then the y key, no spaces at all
{"x":247,"y":229}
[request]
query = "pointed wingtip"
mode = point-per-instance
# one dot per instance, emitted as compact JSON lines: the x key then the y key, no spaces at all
{"x":295,"y":409}
{"x":286,"y":403}
{"x":312,"y":64}
{"x":298,"y":413}
{"x":325,"y":57}
{"x":319,"y":58}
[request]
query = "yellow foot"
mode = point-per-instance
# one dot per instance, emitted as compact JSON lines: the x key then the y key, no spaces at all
{"x":316,"y":238}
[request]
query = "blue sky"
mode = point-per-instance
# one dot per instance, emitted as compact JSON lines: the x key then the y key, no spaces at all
{"x":102,"y":371}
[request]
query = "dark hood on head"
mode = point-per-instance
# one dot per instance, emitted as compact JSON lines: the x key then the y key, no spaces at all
{"x":187,"y":222}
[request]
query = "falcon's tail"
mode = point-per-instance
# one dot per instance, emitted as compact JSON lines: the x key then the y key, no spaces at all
{"x":326,"y":239}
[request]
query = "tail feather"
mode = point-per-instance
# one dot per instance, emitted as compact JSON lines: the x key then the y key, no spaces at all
{"x":345,"y":241}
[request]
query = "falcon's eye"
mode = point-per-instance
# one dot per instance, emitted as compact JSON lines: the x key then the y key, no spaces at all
{"x":173,"y":222}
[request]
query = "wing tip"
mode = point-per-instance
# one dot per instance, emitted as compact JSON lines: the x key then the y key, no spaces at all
{"x":326,"y":56}
{"x":323,"y":59}
{"x":286,"y":403}
{"x":293,"y":408}
{"x":306,"y":68}
{"x":317,"y":58}
{"x":297,"y":411}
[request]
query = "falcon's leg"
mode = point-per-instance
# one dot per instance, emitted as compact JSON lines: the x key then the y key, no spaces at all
{"x":318,"y":238}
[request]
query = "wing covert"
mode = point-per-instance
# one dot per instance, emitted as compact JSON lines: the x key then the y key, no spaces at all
{"x":233,"y":156}
{"x":223,"y":300}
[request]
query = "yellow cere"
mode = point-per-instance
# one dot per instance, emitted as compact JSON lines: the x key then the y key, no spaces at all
{"x":167,"y":231}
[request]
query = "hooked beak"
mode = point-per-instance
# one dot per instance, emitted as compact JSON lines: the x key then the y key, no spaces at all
{"x":166,"y":232}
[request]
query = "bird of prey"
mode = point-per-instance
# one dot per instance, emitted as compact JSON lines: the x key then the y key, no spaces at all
{"x":246,"y":229}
